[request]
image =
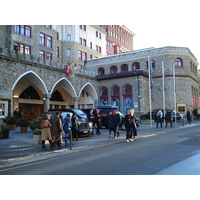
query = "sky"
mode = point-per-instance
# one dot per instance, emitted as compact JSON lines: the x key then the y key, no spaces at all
{"x":156,"y":23}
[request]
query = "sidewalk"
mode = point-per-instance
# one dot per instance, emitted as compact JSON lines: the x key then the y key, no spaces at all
{"x":19,"y":147}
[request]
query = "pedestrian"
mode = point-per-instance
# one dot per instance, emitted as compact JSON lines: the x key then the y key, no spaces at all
{"x":168,"y":118}
{"x":110,"y":123}
{"x":57,"y":130}
{"x":189,"y":116}
{"x":17,"y":113}
{"x":198,"y":114}
{"x":98,"y":121}
{"x":46,"y":131}
{"x":159,"y":118}
{"x":134,"y":124}
{"x":116,"y":121}
{"x":91,"y":119}
{"x":129,"y":126}
{"x":74,"y":127}
{"x":67,"y":128}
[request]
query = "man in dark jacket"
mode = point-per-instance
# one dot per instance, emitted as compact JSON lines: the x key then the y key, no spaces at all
{"x":116,"y":121}
{"x":57,"y":130}
{"x":168,"y":118}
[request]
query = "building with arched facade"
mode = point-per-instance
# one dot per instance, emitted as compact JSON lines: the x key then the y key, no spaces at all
{"x":33,"y":73}
{"x":123,"y":79}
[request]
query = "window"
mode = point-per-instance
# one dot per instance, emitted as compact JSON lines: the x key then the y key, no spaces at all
{"x":97,"y":34}
{"x":80,"y":41}
{"x":84,"y":56}
{"x":68,"y":38}
{"x":23,"y":30}
{"x":90,"y":45}
{"x":124,"y":68}
{"x":84,"y":42}
{"x":90,"y":56}
{"x":153,"y":64}
{"x":113,"y":69}
{"x":80,"y":26}
{"x":115,"y":90}
{"x":57,"y":52}
{"x":178,"y":62}
{"x":45,"y":40}
{"x":48,"y":56}
{"x":84,"y":27}
{"x":98,"y":49}
{"x":135,"y":66}
{"x":68,"y":52}
{"x":80,"y":55}
{"x":49,"y":42}
{"x":42,"y":39}
{"x":104,"y":91}
{"x":101,"y":71}
{"x":128,"y":89}
{"x":22,"y":48}
{"x":42,"y":54}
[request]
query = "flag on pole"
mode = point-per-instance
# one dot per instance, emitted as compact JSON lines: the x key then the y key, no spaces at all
{"x":71,"y":70}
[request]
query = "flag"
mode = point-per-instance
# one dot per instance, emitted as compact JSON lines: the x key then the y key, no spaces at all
{"x":71,"y":70}
{"x":67,"y":69}
{"x":150,"y":73}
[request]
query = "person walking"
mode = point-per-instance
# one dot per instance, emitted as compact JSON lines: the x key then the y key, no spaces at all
{"x":74,"y":127}
{"x":98,"y":121}
{"x":91,"y":119}
{"x":168,"y":118}
{"x":67,"y":128}
{"x":134,"y":124}
{"x":116,"y":122}
{"x":129,"y":126}
{"x":57,"y":130}
{"x":189,"y":116}
{"x":46,"y":131}
{"x":110,"y":123}
{"x":159,"y":118}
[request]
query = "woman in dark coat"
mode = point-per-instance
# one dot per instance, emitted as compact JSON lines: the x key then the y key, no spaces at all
{"x":129,"y":126}
{"x":74,"y":127}
{"x":110,"y":123}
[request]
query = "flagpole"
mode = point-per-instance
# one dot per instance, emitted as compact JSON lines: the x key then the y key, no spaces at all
{"x":163,"y":77}
{"x":149,"y":66}
{"x":173,"y":67}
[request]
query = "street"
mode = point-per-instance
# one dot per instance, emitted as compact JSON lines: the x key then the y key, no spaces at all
{"x":145,"y":156}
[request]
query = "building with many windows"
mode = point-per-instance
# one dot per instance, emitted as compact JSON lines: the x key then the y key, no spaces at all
{"x":33,"y":63}
{"x":119,"y":39}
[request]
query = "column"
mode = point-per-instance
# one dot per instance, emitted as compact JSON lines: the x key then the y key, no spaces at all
{"x":75,"y":102}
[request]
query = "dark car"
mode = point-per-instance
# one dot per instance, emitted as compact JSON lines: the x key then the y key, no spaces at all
{"x":83,"y":124}
{"x":106,"y":109}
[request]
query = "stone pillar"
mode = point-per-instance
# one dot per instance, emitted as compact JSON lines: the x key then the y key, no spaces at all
{"x":46,"y":102}
{"x":95,"y":103}
{"x":75,"y":102}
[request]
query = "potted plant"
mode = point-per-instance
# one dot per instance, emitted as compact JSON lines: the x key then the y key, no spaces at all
{"x":5,"y":128}
{"x":23,"y":123}
{"x":12,"y":121}
{"x":37,"y":136}
{"x":35,"y":124}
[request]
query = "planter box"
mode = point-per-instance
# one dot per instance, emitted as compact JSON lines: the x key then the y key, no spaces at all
{"x":37,"y":139}
{"x":23,"y":129}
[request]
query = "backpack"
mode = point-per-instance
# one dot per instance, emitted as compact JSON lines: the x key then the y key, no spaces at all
{"x":42,"y":124}
{"x":159,"y":115}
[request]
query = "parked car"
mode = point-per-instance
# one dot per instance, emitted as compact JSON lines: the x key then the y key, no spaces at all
{"x":106,"y":109}
{"x":83,"y":125}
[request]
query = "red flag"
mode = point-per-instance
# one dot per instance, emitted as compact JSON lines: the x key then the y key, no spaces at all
{"x":68,"y":69}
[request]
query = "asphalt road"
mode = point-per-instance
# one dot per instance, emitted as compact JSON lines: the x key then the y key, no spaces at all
{"x":145,"y":156}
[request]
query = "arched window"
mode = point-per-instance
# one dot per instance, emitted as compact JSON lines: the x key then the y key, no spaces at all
{"x":101,"y":71}
{"x":127,"y":89}
{"x":178,"y":62}
{"x":56,"y":96}
{"x":153,"y":64}
{"x":29,"y":93}
{"x":104,"y":91}
{"x":135,"y":66}
{"x":124,"y":68}
{"x":115,"y":90}
{"x":113,"y":69}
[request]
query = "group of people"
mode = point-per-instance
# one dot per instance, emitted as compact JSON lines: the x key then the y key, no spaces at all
{"x":56,"y":128}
